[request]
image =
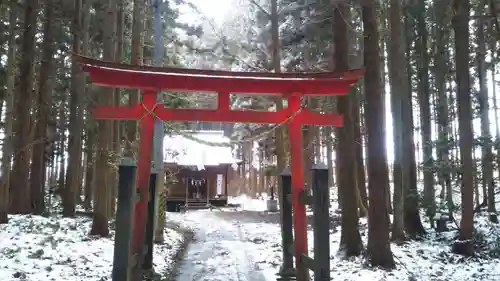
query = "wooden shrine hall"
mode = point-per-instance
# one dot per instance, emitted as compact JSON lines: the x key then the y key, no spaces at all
{"x":197,"y":174}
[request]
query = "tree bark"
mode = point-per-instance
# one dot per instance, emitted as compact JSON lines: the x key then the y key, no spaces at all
{"x":358,"y":150}
{"x":137,"y":58}
{"x":21,"y":203}
{"x":379,"y":250}
{"x":280,"y":134}
{"x":491,"y":204}
{"x":90,"y":124}
{"x":44,"y":102}
{"x":104,"y":139}
{"x":487,"y":155}
{"x":412,"y":222}
{"x":62,"y":145}
{"x":399,"y":90}
{"x":425,"y":116}
{"x":7,"y":146}
{"x":440,"y":70}
{"x":75,"y":119}
{"x":350,"y":242}
{"x":464,"y":244}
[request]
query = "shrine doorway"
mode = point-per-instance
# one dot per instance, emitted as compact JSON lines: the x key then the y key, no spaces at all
{"x":197,"y":187}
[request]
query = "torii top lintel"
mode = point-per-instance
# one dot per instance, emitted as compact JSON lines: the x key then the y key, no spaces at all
{"x":148,"y":78}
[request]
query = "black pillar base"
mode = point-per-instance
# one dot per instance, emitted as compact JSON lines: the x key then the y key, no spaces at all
{"x":148,"y":257}
{"x":321,"y":221}
{"x":287,"y":268}
{"x":286,"y":274}
{"x":124,"y":215}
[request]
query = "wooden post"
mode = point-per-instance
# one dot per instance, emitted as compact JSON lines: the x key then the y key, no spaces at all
{"x":124,"y":209}
{"x":321,"y":223}
{"x":287,"y":270}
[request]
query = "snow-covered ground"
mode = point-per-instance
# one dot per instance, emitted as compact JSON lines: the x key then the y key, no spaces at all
{"x":241,"y":243}
{"x":36,"y":248}
{"x":244,"y":244}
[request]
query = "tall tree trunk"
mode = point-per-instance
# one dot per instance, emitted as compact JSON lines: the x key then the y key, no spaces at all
{"x":116,"y":145}
{"x":90,"y":124}
{"x":412,"y":222}
{"x":101,"y":208}
{"x":383,"y":44}
{"x":62,"y":146}
{"x":453,"y":136}
{"x":38,"y":163}
{"x":89,"y":172}
{"x":21,"y":203}
{"x":399,"y":89}
{"x":358,"y":150}
{"x":487,"y":154}
{"x":378,"y":250}
{"x":10,"y":97}
{"x":425,"y":118}
{"x":350,"y":242}
{"x":3,"y":51}
{"x":440,"y":70}
{"x":491,"y":205}
{"x":461,"y":27}
{"x":475,"y":172}
{"x":280,"y":133}
{"x":137,"y":59}
{"x":75,"y":119}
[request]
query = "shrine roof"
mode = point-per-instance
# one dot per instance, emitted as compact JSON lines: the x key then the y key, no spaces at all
{"x":186,"y":152}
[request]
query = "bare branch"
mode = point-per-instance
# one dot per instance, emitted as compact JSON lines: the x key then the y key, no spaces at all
{"x":268,"y":14}
{"x":293,"y":7}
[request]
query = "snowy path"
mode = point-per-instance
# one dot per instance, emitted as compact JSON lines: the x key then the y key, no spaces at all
{"x":221,"y":251}
{"x":245,"y":244}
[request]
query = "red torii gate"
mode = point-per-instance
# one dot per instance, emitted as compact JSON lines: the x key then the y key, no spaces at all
{"x":151,"y":80}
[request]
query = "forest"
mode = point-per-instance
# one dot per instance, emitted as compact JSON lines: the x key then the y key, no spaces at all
{"x":418,"y":157}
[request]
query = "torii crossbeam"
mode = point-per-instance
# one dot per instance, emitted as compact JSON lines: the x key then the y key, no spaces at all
{"x":152,"y":80}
